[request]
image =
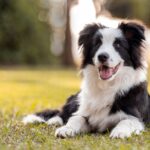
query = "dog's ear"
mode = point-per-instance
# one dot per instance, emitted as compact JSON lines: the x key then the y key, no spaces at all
{"x":87,"y":34}
{"x":134,"y":33}
{"x":86,"y":42}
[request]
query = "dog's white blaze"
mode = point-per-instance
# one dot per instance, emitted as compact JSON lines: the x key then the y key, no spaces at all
{"x":108,"y":37}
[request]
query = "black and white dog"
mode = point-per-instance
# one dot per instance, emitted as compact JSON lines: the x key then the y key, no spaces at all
{"x":114,"y":88}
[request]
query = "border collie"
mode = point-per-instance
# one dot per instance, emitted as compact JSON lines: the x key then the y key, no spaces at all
{"x":113,"y":93}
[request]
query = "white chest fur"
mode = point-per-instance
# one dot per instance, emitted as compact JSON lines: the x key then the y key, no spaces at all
{"x":97,"y":96}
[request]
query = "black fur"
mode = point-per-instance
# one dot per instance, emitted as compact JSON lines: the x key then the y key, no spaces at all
{"x":134,"y":34}
{"x":135,"y":102}
{"x":65,"y":113}
{"x":69,"y":108}
{"x":46,"y":114}
{"x":122,"y":49}
{"x":89,"y":41}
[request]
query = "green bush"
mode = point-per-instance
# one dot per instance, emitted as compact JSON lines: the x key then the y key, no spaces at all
{"x":23,"y":38}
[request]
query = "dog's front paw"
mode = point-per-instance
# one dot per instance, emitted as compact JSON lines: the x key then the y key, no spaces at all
{"x":120,"y":133}
{"x":124,"y":132}
{"x":65,"y":131}
{"x":126,"y":128}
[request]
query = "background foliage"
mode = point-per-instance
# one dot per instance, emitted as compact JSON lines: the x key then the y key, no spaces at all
{"x":130,"y":9}
{"x":26,"y":40}
{"x":23,"y":38}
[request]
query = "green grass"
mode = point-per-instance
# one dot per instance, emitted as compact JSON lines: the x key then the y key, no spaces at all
{"x":26,"y":91}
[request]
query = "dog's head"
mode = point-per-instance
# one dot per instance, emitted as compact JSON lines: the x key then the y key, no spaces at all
{"x":110,"y":49}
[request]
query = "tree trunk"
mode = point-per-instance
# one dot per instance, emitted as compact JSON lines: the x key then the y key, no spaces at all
{"x":67,"y":58}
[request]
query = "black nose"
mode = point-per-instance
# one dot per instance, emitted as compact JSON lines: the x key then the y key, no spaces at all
{"x":103,"y":57}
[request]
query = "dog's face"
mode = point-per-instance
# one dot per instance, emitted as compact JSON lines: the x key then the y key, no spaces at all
{"x":110,"y":49}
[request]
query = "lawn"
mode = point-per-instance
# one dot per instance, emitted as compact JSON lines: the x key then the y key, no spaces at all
{"x":24,"y":91}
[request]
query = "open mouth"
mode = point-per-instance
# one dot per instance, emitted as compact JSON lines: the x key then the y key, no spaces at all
{"x":107,"y":72}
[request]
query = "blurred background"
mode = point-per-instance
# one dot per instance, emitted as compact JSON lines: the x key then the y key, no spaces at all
{"x":45,"y":32}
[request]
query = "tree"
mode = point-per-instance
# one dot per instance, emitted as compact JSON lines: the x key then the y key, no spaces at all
{"x":67,"y":58}
{"x":23,"y":39}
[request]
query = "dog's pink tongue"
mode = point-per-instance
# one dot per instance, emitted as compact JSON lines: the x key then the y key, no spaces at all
{"x":106,"y":73}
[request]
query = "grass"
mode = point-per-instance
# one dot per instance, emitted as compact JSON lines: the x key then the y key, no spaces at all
{"x":26,"y":91}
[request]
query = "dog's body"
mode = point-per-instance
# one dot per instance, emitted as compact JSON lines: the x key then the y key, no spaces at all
{"x":114,"y":89}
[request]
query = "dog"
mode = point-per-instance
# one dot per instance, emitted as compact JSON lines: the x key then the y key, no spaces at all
{"x":113,"y":93}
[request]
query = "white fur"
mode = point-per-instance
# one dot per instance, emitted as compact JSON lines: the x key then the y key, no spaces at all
{"x":32,"y":119}
{"x":111,"y":120}
{"x":127,"y":127}
{"x":96,"y":101}
{"x":65,"y":131}
{"x":57,"y":121}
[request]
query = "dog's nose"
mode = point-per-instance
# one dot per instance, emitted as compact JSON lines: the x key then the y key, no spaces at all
{"x":103,"y":57}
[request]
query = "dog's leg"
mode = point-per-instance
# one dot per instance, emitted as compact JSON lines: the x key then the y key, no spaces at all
{"x":40,"y":117}
{"x":74,"y":126}
{"x":127,"y":127}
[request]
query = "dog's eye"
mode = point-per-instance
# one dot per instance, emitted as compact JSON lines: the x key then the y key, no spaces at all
{"x":117,"y":44}
{"x":97,"y":41}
